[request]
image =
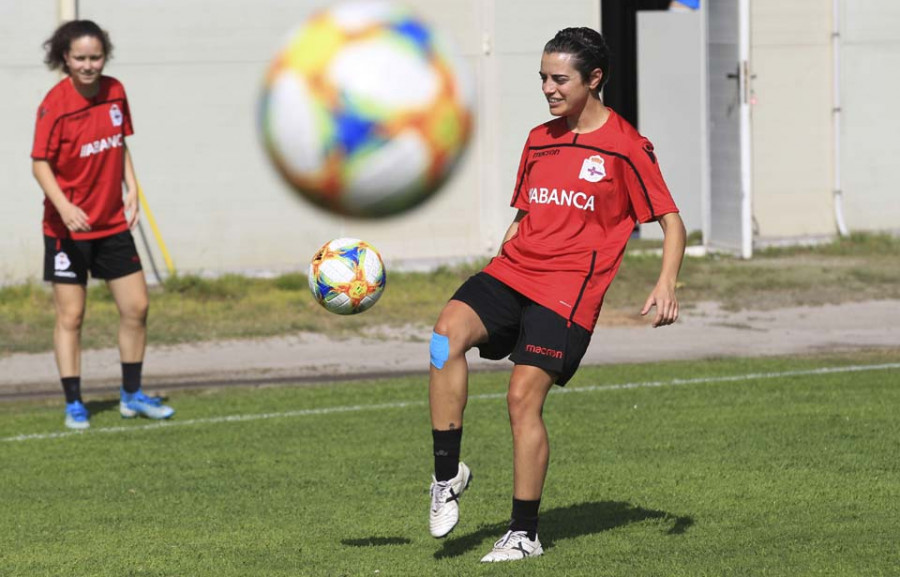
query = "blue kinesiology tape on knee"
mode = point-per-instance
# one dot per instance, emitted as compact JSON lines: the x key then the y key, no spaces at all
{"x":440,"y":350}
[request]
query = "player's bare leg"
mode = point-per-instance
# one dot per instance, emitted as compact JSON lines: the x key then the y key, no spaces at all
{"x":130,"y":294}
{"x":528,"y":388}
{"x":69,"y":301}
{"x":448,"y":386}
{"x":457,"y":330}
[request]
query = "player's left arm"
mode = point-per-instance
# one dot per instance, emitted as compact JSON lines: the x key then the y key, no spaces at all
{"x":132,"y":204}
{"x":663,"y":295}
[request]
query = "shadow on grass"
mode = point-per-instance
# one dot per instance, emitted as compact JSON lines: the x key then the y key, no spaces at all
{"x":96,"y":407}
{"x":568,"y":522}
{"x":375,"y":541}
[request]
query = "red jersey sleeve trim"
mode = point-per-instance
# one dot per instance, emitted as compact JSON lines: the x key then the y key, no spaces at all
{"x":518,"y":189}
{"x":637,"y":174}
{"x":523,"y":170}
{"x":46,"y":147}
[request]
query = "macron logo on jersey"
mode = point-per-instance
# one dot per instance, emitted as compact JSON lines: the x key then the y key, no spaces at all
{"x":561,"y":197}
{"x":99,"y":146}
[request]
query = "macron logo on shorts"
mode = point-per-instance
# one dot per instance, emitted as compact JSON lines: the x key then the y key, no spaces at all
{"x":61,"y":263}
{"x":544,"y":351}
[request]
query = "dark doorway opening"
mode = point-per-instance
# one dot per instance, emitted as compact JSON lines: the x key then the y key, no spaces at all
{"x":619,"y":28}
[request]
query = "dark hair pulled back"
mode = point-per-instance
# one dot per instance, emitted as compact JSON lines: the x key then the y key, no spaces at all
{"x":588,"y":48}
{"x":59,"y":44}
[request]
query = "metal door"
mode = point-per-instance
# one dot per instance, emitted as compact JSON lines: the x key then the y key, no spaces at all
{"x":729,"y":219}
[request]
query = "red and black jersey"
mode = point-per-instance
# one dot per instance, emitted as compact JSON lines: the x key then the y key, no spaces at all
{"x":83,"y":139}
{"x":582,"y":194}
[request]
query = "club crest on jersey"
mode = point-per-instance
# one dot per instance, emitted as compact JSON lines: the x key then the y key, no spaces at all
{"x":593,"y":169}
{"x":115,"y":114}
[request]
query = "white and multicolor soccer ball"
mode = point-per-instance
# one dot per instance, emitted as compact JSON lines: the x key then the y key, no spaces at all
{"x":347,"y":276}
{"x":366,"y":110}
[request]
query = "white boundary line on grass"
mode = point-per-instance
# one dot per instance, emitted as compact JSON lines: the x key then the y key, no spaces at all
{"x":405,"y":404}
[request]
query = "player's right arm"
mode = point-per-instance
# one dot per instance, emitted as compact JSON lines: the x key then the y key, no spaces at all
{"x":513,"y":229}
{"x":519,"y":200}
{"x":74,"y":218}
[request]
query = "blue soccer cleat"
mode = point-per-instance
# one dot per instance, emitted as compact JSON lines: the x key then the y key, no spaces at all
{"x":77,"y":416}
{"x":134,"y":404}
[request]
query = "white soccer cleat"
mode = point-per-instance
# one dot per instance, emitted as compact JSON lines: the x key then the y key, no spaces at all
{"x":513,"y":546}
{"x":445,"y":496}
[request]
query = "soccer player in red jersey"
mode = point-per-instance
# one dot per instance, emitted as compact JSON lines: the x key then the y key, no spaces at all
{"x":80,"y":160}
{"x":583,"y":180}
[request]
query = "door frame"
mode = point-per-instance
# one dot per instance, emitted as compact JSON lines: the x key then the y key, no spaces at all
{"x":746,"y":135}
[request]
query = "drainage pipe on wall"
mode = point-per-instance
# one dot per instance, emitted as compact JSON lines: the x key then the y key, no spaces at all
{"x":836,"y":116}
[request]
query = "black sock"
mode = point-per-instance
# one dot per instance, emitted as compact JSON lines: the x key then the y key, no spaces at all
{"x":72,"y":388}
{"x":131,"y":377}
{"x":525,"y":517}
{"x":446,"y":453}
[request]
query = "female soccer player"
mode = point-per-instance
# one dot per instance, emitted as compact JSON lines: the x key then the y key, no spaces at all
{"x":80,"y":160}
{"x":583,"y":180}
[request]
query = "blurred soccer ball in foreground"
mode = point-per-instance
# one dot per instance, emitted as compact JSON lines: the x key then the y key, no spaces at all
{"x":366,"y":110}
{"x":346,"y":276}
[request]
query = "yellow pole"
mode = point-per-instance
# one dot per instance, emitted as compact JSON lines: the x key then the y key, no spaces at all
{"x":159,"y":240}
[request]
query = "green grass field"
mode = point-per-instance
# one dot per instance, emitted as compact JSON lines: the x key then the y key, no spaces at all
{"x":729,"y":467}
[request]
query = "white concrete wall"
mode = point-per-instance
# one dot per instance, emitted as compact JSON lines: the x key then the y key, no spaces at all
{"x":520,"y":30}
{"x":193,"y":72}
{"x":25,"y":80}
{"x":220,"y":205}
{"x":870,"y":124}
{"x":791,"y":118}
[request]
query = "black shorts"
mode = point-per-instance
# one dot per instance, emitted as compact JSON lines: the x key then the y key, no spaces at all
{"x":68,"y":261}
{"x":518,"y":327}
